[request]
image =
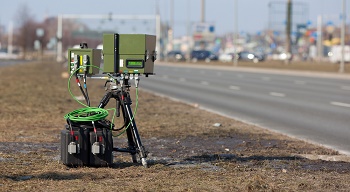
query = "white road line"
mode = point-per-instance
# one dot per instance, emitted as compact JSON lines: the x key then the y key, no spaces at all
{"x":345,"y":88}
{"x":235,"y":87}
{"x":204,"y":83}
{"x":340,"y":104}
{"x":182,"y":79}
{"x":266,"y":78}
{"x":299,"y":82}
{"x":277,"y":94}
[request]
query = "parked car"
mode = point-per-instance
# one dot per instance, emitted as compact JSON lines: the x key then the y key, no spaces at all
{"x":203,"y":55}
{"x":176,"y":56}
{"x":226,"y":57}
{"x":249,"y":56}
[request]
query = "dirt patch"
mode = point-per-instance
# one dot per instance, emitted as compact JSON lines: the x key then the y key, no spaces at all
{"x":188,"y":151}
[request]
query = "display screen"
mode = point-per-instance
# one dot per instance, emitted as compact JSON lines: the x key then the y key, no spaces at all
{"x":134,"y":63}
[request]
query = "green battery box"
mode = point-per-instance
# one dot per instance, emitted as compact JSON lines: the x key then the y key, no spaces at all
{"x":88,"y":59}
{"x":129,"y":53}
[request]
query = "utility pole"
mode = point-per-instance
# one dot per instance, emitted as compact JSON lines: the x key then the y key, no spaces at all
{"x":188,"y":52}
{"x":288,"y":31}
{"x":202,"y":11}
{"x":158,"y":29}
{"x":341,"y":67}
{"x":319,"y":38}
{"x":235,"y":35}
{"x":10,"y":39}
{"x":171,"y":33}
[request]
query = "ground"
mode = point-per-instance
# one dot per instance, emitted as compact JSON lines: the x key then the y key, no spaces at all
{"x":189,"y":149}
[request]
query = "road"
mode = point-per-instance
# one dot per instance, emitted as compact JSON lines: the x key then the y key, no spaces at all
{"x":11,"y":62}
{"x":308,"y":106}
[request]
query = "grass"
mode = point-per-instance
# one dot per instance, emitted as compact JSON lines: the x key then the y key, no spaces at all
{"x":187,"y":153}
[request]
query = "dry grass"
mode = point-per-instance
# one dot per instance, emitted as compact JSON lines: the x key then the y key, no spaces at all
{"x":187,"y":153}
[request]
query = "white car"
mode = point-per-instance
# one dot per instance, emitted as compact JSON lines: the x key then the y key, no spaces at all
{"x":226,"y":57}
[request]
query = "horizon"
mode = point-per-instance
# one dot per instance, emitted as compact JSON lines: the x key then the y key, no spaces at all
{"x":184,"y":13}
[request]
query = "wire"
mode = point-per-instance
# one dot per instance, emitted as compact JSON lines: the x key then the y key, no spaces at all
{"x":88,"y":113}
{"x":92,"y":114}
{"x":134,"y":114}
{"x":86,"y":90}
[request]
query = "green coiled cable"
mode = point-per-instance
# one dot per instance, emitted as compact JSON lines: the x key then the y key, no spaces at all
{"x":87,"y":114}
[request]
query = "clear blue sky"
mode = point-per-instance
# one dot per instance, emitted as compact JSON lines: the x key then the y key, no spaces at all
{"x":253,"y":14}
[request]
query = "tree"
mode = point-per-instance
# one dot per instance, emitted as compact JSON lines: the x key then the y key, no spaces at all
{"x":26,"y":33}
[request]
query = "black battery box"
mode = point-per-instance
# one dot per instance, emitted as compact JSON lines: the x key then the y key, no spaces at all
{"x":101,"y":147}
{"x":74,"y":147}
{"x":81,"y":146}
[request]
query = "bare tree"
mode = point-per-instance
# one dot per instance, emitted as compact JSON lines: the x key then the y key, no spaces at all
{"x":26,"y":33}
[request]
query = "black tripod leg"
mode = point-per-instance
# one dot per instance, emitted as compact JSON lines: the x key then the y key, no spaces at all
{"x":131,"y":144}
{"x":135,"y":136}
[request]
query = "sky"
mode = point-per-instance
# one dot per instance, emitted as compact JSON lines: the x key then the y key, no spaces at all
{"x":253,"y":15}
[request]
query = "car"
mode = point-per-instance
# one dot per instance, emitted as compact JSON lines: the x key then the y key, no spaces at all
{"x":226,"y":57}
{"x":249,"y":56}
{"x":203,"y":55}
{"x":176,"y":56}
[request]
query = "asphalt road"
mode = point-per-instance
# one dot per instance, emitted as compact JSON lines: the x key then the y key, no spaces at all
{"x":309,"y":106}
{"x":11,"y":62}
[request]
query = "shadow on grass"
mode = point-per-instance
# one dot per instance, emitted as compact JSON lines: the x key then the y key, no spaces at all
{"x":259,"y":161}
{"x":47,"y":176}
{"x":232,"y":157}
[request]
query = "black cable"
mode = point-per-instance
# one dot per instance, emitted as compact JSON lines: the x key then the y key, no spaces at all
{"x":81,"y":89}
{"x":86,"y":90}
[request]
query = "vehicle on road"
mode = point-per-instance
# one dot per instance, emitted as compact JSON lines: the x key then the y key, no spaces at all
{"x":203,"y":55}
{"x":176,"y":56}
{"x":226,"y":57}
{"x":335,"y":54}
{"x":249,"y":56}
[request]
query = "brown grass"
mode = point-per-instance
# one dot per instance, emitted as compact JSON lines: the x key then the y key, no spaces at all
{"x":187,"y":153}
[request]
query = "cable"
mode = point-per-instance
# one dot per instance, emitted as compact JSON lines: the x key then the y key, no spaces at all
{"x":81,"y":89}
{"x":87,"y":114}
{"x":86,"y":90}
{"x":92,"y":114}
{"x":134,"y":114}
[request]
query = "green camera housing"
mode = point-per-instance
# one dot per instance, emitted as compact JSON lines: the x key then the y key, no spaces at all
{"x":90,"y":59}
{"x":129,"y":53}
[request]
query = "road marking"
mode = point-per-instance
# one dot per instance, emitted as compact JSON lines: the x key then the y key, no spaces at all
{"x":266,"y":78}
{"x":299,"y":82}
{"x":182,"y":79}
{"x":277,"y":94}
{"x":204,"y":83}
{"x":340,"y":104}
{"x":345,"y":88}
{"x":235,"y":87}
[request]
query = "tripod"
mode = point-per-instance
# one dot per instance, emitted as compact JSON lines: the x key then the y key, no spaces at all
{"x":123,"y":101}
